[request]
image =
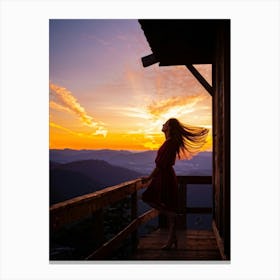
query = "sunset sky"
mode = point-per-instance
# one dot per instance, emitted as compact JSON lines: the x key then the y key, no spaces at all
{"x":102,"y":97}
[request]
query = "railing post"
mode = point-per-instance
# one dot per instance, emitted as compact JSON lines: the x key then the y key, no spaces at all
{"x":98,"y":227}
{"x":182,"y":201}
{"x":134,"y":214}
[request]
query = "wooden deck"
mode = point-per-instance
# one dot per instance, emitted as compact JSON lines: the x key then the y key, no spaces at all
{"x":192,"y":245}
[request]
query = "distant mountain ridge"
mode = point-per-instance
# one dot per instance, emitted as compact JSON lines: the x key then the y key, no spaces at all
{"x":81,"y":177}
{"x":69,"y":155}
{"x":142,"y":162}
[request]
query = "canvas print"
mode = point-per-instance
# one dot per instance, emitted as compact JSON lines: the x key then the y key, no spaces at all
{"x":139,"y":140}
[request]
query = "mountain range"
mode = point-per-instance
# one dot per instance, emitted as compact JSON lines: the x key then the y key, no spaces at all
{"x":77,"y":178}
{"x":142,"y":162}
{"x":78,"y":172}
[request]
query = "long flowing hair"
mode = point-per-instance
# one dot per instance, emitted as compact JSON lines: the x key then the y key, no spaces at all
{"x":190,"y":139}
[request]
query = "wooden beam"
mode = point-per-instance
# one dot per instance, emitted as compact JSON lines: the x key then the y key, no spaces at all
{"x":149,"y":60}
{"x":219,"y":240}
{"x":198,"y":210}
{"x":115,"y":242}
{"x":200,"y":78}
{"x":195,"y":180}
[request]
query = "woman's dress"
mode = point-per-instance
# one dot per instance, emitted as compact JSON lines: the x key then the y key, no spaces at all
{"x":162,"y":193}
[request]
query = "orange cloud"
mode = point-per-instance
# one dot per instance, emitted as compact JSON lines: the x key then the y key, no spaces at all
{"x":71,"y":104}
{"x":80,"y":134}
{"x":58,"y":107}
{"x":55,"y":125}
{"x":178,"y":103}
{"x":149,"y":119}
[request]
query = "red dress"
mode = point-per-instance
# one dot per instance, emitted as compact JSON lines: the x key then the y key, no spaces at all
{"x":162,"y":193}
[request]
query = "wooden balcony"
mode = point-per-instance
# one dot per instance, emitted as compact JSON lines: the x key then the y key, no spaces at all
{"x":192,"y":244}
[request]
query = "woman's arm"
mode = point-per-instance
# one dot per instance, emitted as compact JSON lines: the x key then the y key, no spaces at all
{"x":151,"y":176}
{"x":154,"y":173}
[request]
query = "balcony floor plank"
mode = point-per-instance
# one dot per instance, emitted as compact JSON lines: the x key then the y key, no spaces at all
{"x":192,"y":245}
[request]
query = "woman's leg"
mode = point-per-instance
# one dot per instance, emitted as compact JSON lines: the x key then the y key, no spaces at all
{"x":172,"y":225}
{"x":172,"y":238}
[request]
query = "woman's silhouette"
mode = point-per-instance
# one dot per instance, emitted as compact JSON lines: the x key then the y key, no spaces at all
{"x":162,"y":191}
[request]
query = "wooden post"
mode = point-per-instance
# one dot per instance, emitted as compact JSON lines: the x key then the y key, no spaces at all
{"x":134,"y":214}
{"x":221,"y":135}
{"x":98,"y":227}
{"x":182,"y":201}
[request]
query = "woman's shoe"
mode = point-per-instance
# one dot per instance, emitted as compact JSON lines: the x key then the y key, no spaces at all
{"x":170,"y":244}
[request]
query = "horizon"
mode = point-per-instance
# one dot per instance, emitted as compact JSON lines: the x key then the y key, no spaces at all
{"x":101,"y":149}
{"x":125,"y":150}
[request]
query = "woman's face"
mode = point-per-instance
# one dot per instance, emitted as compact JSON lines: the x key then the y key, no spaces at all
{"x":165,"y":127}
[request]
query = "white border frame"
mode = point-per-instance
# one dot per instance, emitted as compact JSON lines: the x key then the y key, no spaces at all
{"x":24,"y":138}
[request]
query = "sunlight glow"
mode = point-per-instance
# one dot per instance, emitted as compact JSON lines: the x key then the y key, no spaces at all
{"x":102,"y":97}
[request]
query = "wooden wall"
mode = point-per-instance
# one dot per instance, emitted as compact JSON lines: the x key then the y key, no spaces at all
{"x":221,"y":135}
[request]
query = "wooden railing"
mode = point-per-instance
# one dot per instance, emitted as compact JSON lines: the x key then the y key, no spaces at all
{"x":93,"y":204}
{"x":183,"y":182}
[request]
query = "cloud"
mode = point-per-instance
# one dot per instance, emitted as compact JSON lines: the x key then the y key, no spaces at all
{"x":135,"y":112}
{"x":152,"y":116}
{"x":160,"y":109}
{"x":159,"y":112}
{"x":58,"y":107}
{"x":176,"y":105}
{"x":100,"y":131}
{"x":80,"y":134}
{"x":151,"y":145}
{"x":67,"y":102}
{"x":55,"y":125}
{"x":95,"y":38}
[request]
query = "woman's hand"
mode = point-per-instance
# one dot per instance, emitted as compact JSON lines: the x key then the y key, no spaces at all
{"x":146,"y":179}
{"x":151,"y":176}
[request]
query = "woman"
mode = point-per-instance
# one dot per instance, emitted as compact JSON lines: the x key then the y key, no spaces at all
{"x":162,"y":192}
